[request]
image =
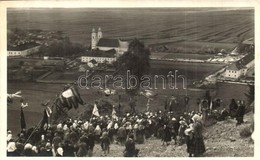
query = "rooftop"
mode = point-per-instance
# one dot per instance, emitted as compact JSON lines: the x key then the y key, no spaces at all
{"x":106,"y":42}
{"x":97,"y":53}
{"x":22,"y":47}
{"x":242,"y":62}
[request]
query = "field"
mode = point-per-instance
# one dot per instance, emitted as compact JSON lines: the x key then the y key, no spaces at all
{"x":205,"y":26}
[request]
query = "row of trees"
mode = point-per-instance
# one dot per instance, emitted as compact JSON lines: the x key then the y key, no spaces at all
{"x":61,"y":48}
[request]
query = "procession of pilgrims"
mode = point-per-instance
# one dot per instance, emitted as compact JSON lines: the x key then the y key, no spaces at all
{"x":78,"y":138}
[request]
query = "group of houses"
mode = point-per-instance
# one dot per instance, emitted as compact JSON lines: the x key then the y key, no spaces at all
{"x":241,"y":67}
{"x":24,"y":49}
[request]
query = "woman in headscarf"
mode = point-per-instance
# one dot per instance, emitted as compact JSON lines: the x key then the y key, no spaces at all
{"x":11,"y":150}
{"x":233,"y":108}
{"x":240,"y":112}
{"x":199,"y":146}
{"x":130,"y":150}
{"x":28,"y":150}
{"x":167,"y":136}
{"x":83,"y":151}
{"x":59,"y":152}
{"x":105,"y":142}
{"x":189,"y":139}
{"x":181,"y":135}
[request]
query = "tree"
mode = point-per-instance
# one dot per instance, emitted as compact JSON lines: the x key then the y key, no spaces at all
{"x":136,"y":61}
{"x":250,"y":94}
{"x":62,"y":48}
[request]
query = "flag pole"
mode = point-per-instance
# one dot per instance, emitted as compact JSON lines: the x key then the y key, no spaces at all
{"x":91,"y":118}
{"x":33,"y":131}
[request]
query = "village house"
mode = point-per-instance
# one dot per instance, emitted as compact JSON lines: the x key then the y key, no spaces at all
{"x":22,"y":49}
{"x":240,"y":67}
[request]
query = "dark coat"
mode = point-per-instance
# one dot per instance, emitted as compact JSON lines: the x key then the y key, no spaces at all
{"x":13,"y":154}
{"x":130,"y":150}
{"x":167,"y":134}
{"x":233,"y":108}
{"x":198,"y":147}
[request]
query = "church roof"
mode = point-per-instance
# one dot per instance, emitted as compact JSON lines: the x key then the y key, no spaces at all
{"x":98,"y":53}
{"x":241,"y":63}
{"x":106,"y":42}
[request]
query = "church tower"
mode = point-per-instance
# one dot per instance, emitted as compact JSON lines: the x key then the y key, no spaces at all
{"x":93,"y":39}
{"x":99,"y":34}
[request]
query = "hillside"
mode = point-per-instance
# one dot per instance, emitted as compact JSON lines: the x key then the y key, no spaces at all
{"x":221,"y":140}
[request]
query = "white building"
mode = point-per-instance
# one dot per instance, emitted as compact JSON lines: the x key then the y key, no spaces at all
{"x":100,"y":56}
{"x":106,"y":44}
{"x":22,"y":50}
{"x":240,"y":68}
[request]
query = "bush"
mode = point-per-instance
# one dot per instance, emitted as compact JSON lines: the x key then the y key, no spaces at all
{"x":246,"y":131}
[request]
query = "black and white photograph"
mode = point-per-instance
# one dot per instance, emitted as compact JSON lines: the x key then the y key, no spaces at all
{"x":129,"y":81}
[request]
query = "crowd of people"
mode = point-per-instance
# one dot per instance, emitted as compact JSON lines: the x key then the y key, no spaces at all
{"x":77,"y":138}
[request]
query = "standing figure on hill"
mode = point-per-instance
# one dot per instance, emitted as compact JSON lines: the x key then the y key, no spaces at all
{"x":105,"y":142}
{"x":189,"y":139}
{"x":122,"y":135}
{"x":205,"y":109}
{"x":167,"y":136}
{"x":181,"y":135}
{"x":240,"y":112}
{"x":170,"y":103}
{"x":199,"y":146}
{"x":130,"y":150}
{"x":233,"y":108}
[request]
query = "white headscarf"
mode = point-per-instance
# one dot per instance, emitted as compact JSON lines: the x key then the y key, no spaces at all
{"x":59,"y":126}
{"x":9,"y":137}
{"x":196,"y":118}
{"x":65,"y":127}
{"x":34,"y":148}
{"x":11,"y":147}
{"x":60,"y":151}
{"x":116,"y":126}
{"x":85,"y":125}
{"x":98,"y":130}
{"x":28,"y":146}
{"x":110,"y":125}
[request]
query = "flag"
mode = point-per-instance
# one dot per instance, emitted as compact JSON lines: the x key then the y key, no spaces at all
{"x":95,"y":111}
{"x":114,"y":113}
{"x":22,"y":119}
{"x":211,"y":105}
{"x":48,"y":111}
{"x":70,"y":98}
